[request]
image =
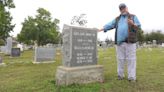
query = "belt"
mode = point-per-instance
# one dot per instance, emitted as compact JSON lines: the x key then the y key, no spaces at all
{"x":125,"y":41}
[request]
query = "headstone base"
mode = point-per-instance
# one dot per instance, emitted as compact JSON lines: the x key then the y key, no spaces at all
{"x":2,"y":64}
{"x":43,"y":62}
{"x":79,"y":75}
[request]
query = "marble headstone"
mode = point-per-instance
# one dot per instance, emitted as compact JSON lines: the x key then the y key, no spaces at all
{"x":3,"y":49}
{"x":43,"y":54}
{"x":9,"y":46}
{"x":79,"y":46}
{"x":154,"y":43}
{"x":20,"y":46}
{"x":162,"y":44}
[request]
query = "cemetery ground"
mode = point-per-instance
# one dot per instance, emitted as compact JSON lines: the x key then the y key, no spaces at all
{"x":21,"y":75}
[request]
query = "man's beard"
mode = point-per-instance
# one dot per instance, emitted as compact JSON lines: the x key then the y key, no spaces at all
{"x":124,"y":13}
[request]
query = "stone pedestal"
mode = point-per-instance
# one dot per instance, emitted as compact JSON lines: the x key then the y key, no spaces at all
{"x":79,"y":75}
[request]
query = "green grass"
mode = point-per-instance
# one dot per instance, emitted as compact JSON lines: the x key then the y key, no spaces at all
{"x":20,"y":75}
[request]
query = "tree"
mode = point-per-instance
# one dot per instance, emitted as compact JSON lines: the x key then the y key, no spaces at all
{"x":5,"y":18}
{"x":79,"y":20}
{"x":40,"y":29}
{"x":140,"y":36}
{"x":155,"y":35}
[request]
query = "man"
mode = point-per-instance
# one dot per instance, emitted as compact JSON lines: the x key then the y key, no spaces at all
{"x":125,"y":38}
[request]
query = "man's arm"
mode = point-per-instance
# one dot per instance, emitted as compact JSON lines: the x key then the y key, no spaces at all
{"x":108,"y":26}
{"x":135,"y":23}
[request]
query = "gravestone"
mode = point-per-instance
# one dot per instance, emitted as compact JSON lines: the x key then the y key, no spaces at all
{"x":137,"y":45}
{"x":44,"y":55}
{"x":20,"y":46}
{"x":79,"y":57}
{"x":162,"y":44}
{"x":1,"y":62}
{"x":79,"y":46}
{"x":8,"y":46}
{"x":3,"y":49}
{"x":154,"y":43}
{"x":15,"y":52}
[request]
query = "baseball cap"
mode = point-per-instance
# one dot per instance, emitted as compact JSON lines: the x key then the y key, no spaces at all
{"x":122,"y":6}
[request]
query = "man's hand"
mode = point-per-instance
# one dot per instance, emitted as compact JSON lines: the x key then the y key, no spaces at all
{"x":130,"y":22}
{"x":100,"y":30}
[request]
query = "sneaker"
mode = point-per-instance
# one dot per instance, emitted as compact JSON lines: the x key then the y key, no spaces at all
{"x":120,"y":78}
{"x":131,"y":80}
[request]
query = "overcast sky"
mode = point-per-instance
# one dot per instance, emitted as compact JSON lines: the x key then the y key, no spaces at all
{"x":99,"y":12}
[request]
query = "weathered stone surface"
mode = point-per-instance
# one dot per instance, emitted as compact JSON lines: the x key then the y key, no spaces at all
{"x":3,"y":49}
{"x":79,"y":46}
{"x":43,"y":55}
{"x":162,"y":45}
{"x":20,"y":46}
{"x":79,"y":75}
{"x":15,"y":52}
{"x":8,"y":46}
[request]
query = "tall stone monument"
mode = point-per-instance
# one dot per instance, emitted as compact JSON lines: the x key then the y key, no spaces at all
{"x":79,"y":57}
{"x":8,"y":46}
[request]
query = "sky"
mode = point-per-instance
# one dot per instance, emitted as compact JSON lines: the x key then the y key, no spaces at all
{"x":99,"y":12}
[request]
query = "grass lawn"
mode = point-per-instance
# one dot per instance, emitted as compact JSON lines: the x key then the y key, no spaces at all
{"x":20,"y":75}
